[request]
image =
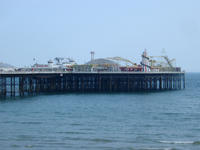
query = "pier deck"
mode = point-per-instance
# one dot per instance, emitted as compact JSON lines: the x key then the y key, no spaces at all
{"x":32,"y":83}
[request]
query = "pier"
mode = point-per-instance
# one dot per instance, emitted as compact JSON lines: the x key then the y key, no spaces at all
{"x":34,"y":83}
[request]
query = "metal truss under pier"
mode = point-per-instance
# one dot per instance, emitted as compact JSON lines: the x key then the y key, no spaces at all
{"x":34,"y":83}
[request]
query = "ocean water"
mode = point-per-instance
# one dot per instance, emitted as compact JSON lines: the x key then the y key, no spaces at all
{"x":138,"y":121}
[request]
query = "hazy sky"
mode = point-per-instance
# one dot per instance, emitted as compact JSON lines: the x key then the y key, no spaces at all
{"x":44,"y":29}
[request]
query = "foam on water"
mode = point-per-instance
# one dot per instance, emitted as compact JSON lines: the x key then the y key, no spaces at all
{"x":158,"y":149}
{"x":178,"y":142}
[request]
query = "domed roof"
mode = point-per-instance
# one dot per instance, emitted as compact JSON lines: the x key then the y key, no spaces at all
{"x":101,"y":61}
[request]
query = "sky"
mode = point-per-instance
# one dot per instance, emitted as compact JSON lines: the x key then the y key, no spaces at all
{"x":45,"y":29}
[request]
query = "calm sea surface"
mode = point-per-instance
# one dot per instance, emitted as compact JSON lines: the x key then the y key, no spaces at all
{"x":146,"y":121}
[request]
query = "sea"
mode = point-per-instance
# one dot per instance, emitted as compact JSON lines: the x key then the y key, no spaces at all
{"x":168,"y":120}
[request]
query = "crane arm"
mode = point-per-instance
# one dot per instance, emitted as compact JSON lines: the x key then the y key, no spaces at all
{"x":122,"y":59}
{"x":169,"y":62}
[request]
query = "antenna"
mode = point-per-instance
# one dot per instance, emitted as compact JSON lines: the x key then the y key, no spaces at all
{"x":92,"y":55}
{"x":34,"y":60}
{"x":163,"y":52}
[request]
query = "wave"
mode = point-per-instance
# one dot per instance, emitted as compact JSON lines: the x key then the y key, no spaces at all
{"x":180,"y":142}
{"x":65,"y":132}
{"x":158,"y":149}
